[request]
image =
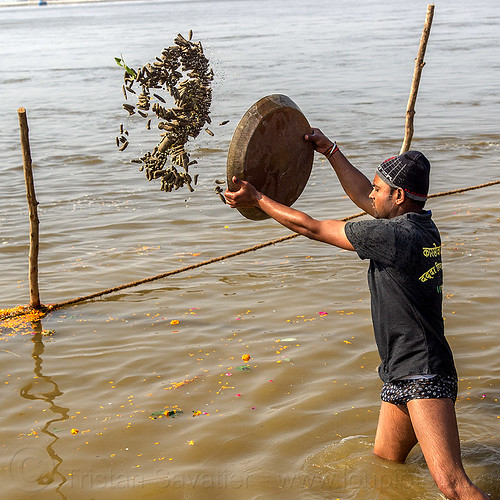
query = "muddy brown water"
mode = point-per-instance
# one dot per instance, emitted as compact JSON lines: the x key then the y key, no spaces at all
{"x":298,"y":420}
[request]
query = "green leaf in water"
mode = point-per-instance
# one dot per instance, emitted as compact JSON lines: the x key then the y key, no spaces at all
{"x":244,"y":368}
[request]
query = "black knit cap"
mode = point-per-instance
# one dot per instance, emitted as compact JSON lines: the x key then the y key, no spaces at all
{"x":409,"y":171}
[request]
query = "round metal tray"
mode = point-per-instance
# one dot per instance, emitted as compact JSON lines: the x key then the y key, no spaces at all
{"x":268,"y":150}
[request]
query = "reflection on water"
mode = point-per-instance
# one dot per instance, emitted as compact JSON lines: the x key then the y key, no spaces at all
{"x":44,"y":388}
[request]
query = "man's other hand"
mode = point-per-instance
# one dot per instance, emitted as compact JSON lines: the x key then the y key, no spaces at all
{"x":246,"y":196}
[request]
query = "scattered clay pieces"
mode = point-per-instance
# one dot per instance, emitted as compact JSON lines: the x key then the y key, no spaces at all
{"x":184,"y":72}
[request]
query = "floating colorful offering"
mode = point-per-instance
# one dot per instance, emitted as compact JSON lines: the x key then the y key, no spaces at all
{"x":176,"y":385}
{"x":166,"y":413}
{"x":21,"y":319}
{"x":198,"y":413}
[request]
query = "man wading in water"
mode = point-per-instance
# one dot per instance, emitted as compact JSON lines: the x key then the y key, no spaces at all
{"x":405,"y":281}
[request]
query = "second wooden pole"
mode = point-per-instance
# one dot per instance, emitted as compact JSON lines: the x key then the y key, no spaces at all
{"x":419,"y":64}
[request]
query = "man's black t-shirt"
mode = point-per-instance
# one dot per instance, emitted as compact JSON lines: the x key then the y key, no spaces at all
{"x":405,"y":279}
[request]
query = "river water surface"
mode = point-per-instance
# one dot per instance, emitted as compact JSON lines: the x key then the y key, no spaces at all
{"x":298,"y":419}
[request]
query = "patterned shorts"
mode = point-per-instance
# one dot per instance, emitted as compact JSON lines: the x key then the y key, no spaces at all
{"x":400,"y":392}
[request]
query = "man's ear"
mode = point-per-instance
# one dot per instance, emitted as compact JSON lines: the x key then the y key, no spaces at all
{"x":400,"y":196}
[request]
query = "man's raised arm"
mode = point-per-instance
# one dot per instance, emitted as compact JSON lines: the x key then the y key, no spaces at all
{"x":355,"y":184}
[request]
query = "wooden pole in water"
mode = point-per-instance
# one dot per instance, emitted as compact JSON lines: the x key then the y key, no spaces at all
{"x":33,"y":212}
{"x":419,"y":64}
